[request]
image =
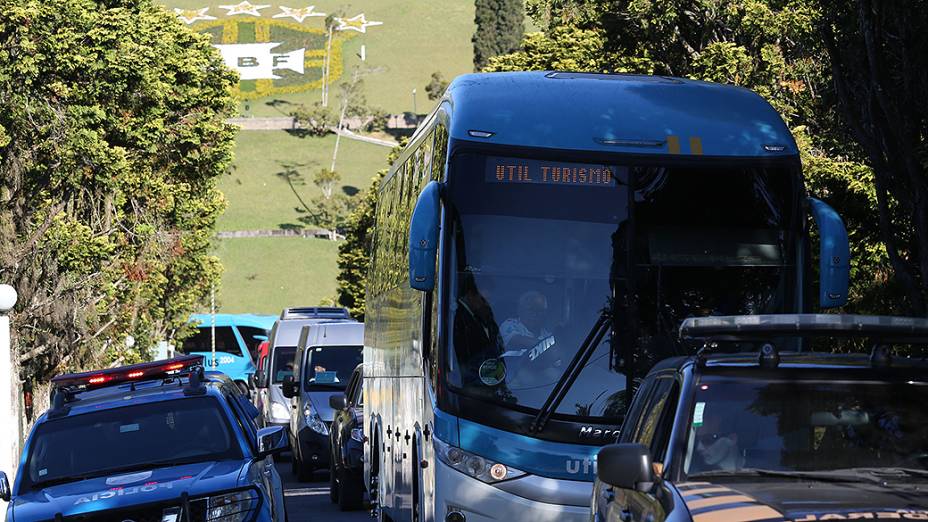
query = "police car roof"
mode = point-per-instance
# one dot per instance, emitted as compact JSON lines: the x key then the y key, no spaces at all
{"x":121,"y":395}
{"x":616,"y":113}
{"x":790,"y":360}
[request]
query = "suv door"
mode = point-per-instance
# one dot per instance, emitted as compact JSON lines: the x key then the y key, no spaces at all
{"x":651,"y":426}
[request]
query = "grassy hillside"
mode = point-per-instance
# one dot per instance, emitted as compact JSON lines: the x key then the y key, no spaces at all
{"x":263,"y":275}
{"x":415,"y":39}
{"x":274,"y":170}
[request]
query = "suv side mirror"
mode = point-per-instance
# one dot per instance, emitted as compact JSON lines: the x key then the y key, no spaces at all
{"x":626,"y":466}
{"x":5,"y":492}
{"x":423,"y":238}
{"x":260,"y":380}
{"x":272,"y":440}
{"x":338,"y":401}
{"x":289,"y":387}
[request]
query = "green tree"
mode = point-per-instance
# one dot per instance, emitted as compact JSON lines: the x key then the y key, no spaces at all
{"x":316,"y":120}
{"x":112,"y":141}
{"x":879,"y":62}
{"x":773,"y":47}
{"x":354,"y":252}
{"x":500,"y":26}
{"x":326,"y":180}
{"x":437,"y":86}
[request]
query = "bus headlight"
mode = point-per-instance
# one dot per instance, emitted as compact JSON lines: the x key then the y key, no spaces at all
{"x":474,"y":465}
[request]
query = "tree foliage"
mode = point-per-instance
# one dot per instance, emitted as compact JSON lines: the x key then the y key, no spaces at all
{"x":879,"y":58}
{"x":112,"y":140}
{"x":437,"y":86}
{"x":354,"y":252}
{"x":773,"y":47}
{"x":500,"y":26}
{"x":314,"y":121}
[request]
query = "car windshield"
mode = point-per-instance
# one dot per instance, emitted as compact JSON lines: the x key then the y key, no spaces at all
{"x":331,"y":366}
{"x":540,"y":249}
{"x":283,"y":363}
{"x":806,"y":424}
{"x":134,"y":437}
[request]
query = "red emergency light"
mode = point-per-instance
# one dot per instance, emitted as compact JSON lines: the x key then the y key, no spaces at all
{"x":123,"y":374}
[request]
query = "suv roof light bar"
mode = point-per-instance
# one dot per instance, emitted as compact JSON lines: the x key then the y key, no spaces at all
{"x":71,"y":383}
{"x":310,"y":312}
{"x":747,"y":326}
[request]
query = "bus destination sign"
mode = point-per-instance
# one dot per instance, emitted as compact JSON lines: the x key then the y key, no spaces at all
{"x":516,"y":171}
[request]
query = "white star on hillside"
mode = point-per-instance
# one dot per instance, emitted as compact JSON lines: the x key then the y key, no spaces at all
{"x":192,"y":15}
{"x":245,"y":7}
{"x":357,"y":23}
{"x":298,"y":14}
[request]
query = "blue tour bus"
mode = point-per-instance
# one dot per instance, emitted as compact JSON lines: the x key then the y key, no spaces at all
{"x":536,"y":247}
{"x":237,"y":340}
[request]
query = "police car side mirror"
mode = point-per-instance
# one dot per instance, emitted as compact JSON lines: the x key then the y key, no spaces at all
{"x":289,"y":387}
{"x":626,"y":466}
{"x":5,"y":493}
{"x":272,"y":440}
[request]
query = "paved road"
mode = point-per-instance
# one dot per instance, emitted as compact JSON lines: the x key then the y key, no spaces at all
{"x":309,"y":501}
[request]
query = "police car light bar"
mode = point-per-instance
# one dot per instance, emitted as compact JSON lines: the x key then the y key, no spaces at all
{"x":151,"y":370}
{"x":805,"y":324}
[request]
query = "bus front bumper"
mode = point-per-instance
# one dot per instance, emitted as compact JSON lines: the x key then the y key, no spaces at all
{"x":481,"y":502}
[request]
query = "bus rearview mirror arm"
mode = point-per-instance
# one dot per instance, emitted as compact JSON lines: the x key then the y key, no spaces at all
{"x":834,"y":255}
{"x":423,"y":238}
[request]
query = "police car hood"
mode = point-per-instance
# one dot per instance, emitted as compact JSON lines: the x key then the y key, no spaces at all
{"x":804,"y":500}
{"x":124,"y":490}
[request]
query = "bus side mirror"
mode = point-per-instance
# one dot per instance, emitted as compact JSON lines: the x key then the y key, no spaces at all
{"x":834,"y":255}
{"x":5,"y":491}
{"x":423,"y":238}
{"x":289,"y":387}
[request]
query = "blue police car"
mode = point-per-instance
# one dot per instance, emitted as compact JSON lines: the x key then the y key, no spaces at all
{"x":152,"y":442}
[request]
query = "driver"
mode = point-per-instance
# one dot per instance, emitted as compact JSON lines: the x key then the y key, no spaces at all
{"x":717,"y":445}
{"x":527,"y":329}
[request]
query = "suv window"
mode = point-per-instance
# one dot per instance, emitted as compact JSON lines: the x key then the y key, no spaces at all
{"x":648,"y":427}
{"x":201,"y":341}
{"x":253,"y":338}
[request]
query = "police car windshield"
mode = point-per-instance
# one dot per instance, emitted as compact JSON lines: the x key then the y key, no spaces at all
{"x":331,"y":366}
{"x":806,"y":425}
{"x":129,"y":438}
{"x":283,"y":363}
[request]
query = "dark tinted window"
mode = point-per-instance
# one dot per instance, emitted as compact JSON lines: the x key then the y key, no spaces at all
{"x":806,"y":424}
{"x":283,"y":363}
{"x":134,"y":437}
{"x":330,"y":366}
{"x":660,"y":400}
{"x":253,"y":337}
{"x":201,"y":341}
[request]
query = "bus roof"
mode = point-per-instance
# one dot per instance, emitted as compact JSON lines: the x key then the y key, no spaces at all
{"x":617,"y":113}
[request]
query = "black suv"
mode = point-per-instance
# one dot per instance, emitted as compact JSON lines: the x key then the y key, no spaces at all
{"x":346,"y":437}
{"x":776,"y":418}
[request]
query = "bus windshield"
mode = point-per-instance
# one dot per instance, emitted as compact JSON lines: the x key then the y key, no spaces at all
{"x":541,"y":249}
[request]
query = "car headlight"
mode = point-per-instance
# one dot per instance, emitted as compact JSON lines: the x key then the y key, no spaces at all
{"x":357,"y":434}
{"x":313,"y":421}
{"x":474,"y":465}
{"x":279,"y":411}
{"x":238,"y":506}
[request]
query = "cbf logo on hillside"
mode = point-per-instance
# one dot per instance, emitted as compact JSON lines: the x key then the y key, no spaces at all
{"x":277,"y":52}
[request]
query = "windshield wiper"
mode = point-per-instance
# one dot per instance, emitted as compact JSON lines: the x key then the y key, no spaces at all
{"x":841,"y":475}
{"x":120,"y":469}
{"x":571,"y":372}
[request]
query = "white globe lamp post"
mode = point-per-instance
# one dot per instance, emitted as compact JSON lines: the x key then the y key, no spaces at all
{"x":9,"y":424}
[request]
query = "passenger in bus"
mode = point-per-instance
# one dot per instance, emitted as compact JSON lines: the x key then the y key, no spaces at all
{"x":476,"y":335}
{"x":527,"y":330}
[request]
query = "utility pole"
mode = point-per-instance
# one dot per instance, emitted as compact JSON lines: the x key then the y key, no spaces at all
{"x":9,"y":417}
{"x":325,"y":69}
{"x":415,"y":112}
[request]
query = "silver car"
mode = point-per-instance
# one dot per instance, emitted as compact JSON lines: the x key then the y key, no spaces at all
{"x":282,"y":342}
{"x":326,"y":355}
